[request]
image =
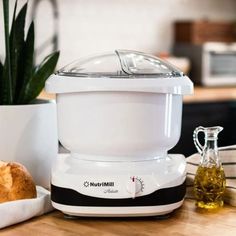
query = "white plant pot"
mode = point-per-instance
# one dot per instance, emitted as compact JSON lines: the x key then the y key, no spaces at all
{"x":28,"y":135}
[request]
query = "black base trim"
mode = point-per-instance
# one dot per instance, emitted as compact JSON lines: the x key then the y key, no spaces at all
{"x":164,"y":196}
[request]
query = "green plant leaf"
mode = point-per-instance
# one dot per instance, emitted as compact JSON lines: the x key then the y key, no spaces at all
{"x":20,"y":80}
{"x":5,"y":86}
{"x":1,"y":82}
{"x":16,"y":48}
{"x":27,"y":58}
{"x":1,"y":69}
{"x":37,"y":83}
{"x":13,"y":52}
{"x":7,"y":97}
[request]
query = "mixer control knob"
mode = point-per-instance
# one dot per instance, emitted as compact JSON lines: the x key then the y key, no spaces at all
{"x":135,"y":185}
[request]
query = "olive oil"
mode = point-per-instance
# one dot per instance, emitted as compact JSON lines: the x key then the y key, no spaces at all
{"x":209,"y":187}
{"x":209,"y":182}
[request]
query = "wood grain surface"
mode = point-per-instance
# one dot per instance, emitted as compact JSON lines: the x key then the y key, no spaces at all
{"x":201,"y":94}
{"x":186,"y":221}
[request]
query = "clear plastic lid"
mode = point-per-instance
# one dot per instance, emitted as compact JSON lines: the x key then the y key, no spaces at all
{"x":121,"y":70}
{"x":120,"y":64}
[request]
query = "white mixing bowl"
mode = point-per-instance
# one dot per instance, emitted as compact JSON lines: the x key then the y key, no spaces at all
{"x":119,"y":106}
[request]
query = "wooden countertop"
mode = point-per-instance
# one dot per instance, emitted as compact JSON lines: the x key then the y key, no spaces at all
{"x":186,"y":221}
{"x":214,"y":94}
{"x":201,"y":94}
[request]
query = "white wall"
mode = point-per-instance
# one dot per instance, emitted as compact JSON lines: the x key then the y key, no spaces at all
{"x":91,"y":26}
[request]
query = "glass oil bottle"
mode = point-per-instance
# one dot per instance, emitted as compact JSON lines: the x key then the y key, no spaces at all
{"x":209,"y":182}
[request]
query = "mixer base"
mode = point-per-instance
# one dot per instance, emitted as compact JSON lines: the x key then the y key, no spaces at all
{"x":118,"y":189}
{"x":117,"y":211}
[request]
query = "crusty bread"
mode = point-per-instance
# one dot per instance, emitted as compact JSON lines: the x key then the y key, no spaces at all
{"x":15,"y":182}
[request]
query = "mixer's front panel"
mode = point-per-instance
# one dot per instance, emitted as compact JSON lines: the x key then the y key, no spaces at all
{"x":118,"y":180}
{"x":91,"y":188}
{"x":67,"y":196}
{"x":115,"y":187}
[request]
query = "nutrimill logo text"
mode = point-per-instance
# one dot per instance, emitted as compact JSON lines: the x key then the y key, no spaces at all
{"x":98,"y":184}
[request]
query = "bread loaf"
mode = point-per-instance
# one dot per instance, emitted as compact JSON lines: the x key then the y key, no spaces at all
{"x":15,"y":182}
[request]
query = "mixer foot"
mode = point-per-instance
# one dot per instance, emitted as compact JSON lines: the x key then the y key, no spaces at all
{"x":70,"y":217}
{"x":163,"y":217}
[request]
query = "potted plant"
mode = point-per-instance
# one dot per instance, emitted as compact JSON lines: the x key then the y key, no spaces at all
{"x":27,"y":125}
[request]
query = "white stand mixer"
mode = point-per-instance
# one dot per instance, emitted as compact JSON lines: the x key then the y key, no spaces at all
{"x":118,"y":114}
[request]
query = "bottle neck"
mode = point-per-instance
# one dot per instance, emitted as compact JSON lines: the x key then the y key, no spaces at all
{"x":212,"y":144}
{"x":210,"y":156}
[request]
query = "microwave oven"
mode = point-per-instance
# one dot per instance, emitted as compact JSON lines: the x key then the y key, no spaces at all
{"x":212,"y":63}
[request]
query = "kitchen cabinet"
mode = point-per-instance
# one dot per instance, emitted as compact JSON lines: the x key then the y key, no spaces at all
{"x":207,"y":114}
{"x":208,"y":107}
